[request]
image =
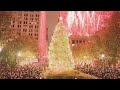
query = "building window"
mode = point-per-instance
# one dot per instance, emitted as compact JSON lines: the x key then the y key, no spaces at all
{"x":30,"y":34}
{"x":25,"y":22}
{"x":30,"y":30}
{"x":79,"y":41}
{"x":37,"y":15}
{"x":36,"y":30}
{"x":20,"y":14}
{"x":36,"y":26}
{"x":30,"y":22}
{"x":13,"y":21}
{"x":24,"y":30}
{"x":25,"y":14}
{"x":73,"y":41}
{"x":31,"y":15}
{"x":37,"y":22}
{"x":83,"y":41}
{"x":19,"y":30}
{"x":19,"y":22}
{"x":30,"y":26}
{"x":76,"y":41}
{"x":25,"y":18}
{"x":36,"y":19}
{"x":19,"y":33}
{"x":35,"y":34}
{"x":31,"y":19}
{"x":25,"y":26}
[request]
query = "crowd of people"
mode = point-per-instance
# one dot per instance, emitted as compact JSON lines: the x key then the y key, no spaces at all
{"x":21,"y":72}
{"x":107,"y":72}
{"x":35,"y":71}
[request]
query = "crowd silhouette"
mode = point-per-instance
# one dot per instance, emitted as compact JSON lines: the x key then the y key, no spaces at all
{"x":107,"y":72}
{"x":21,"y":72}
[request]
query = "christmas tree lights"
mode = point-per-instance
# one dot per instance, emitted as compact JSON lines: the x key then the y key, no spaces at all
{"x":60,"y":55}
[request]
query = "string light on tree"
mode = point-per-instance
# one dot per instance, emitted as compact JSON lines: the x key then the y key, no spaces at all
{"x":19,"y":54}
{"x":103,"y":55}
{"x":60,"y":54}
{"x":61,"y":18}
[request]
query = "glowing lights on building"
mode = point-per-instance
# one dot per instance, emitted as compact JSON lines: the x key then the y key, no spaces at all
{"x":103,"y":55}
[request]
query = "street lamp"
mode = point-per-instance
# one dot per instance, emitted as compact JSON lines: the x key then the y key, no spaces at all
{"x":103,"y":56}
{"x":0,"y":49}
{"x":19,"y":54}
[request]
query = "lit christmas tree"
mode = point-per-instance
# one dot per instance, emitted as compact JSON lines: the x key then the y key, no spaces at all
{"x":60,"y":55}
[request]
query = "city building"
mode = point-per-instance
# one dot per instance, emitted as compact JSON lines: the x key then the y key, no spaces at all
{"x":26,"y":23}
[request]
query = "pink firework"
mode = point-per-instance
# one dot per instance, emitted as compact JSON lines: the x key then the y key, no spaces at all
{"x":84,"y":22}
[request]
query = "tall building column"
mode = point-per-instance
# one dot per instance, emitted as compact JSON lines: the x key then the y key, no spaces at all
{"x":42,"y":40}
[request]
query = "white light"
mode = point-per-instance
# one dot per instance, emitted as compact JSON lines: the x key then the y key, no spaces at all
{"x":0,"y":49}
{"x":88,"y":35}
{"x":84,"y":57}
{"x":69,"y":34}
{"x":102,"y":55}
{"x":19,"y":54}
{"x":73,"y":44}
{"x":60,"y":18}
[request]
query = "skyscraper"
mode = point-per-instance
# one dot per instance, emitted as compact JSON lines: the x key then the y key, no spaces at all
{"x":26,"y":23}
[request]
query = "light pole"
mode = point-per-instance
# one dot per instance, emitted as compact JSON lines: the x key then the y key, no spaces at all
{"x":19,"y":54}
{"x":103,"y":56}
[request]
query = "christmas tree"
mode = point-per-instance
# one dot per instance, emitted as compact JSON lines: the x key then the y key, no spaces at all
{"x":60,"y":54}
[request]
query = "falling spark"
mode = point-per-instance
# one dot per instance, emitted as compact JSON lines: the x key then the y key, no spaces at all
{"x":70,"y":18}
{"x":98,"y":22}
{"x":85,"y":22}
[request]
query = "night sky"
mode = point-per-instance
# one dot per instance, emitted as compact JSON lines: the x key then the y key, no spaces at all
{"x":52,"y":20}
